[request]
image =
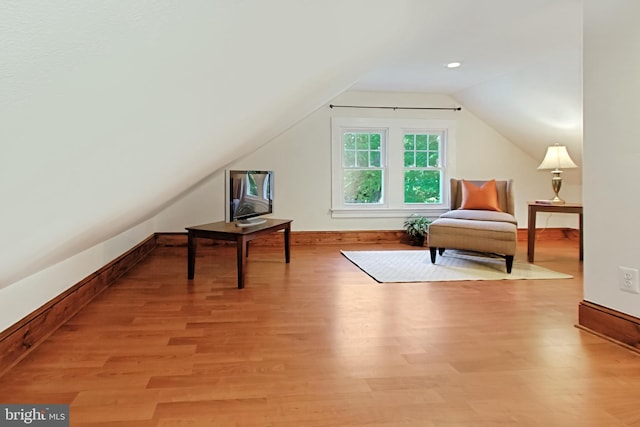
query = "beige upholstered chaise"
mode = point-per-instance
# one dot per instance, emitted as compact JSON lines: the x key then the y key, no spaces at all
{"x":479,"y":230}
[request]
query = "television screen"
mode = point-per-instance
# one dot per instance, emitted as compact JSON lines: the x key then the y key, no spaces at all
{"x":248,"y":194}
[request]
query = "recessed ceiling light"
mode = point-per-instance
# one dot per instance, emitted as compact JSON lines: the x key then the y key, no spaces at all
{"x":454,"y":64}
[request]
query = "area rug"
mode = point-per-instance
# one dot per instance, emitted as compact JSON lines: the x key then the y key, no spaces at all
{"x":416,"y":266}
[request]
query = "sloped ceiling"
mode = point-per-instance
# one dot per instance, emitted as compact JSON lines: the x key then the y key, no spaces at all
{"x":536,"y":106}
{"x":521,"y":70}
{"x":111,"y":109}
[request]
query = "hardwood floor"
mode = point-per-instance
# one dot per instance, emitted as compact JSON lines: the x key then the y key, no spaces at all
{"x":318,"y":343}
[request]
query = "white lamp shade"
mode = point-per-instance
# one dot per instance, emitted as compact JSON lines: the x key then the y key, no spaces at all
{"x":557,"y":157}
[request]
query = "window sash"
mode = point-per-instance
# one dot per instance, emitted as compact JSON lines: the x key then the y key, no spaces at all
{"x":363,"y":154}
{"x":423,"y":155}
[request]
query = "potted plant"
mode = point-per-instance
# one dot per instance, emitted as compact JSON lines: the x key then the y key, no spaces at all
{"x":417,"y":227}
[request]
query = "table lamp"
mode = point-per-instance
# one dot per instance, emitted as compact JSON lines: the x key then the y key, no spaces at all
{"x":557,"y":158}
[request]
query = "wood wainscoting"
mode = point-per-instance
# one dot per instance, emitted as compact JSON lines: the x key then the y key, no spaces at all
{"x":610,"y":324}
{"x":352,"y":237}
{"x":299,"y":238}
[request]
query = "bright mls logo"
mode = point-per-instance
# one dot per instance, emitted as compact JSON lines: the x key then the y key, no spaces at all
{"x":34,"y":415}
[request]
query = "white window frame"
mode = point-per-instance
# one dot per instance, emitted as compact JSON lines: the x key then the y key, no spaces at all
{"x":384,"y":132}
{"x":393,"y":205}
{"x":441,"y":167}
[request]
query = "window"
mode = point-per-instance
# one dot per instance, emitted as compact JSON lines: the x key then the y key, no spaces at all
{"x":389,"y":167}
{"x":362,"y":174}
{"x":422,"y":167}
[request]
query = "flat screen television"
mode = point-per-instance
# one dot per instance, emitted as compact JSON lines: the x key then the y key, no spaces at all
{"x":248,"y":195}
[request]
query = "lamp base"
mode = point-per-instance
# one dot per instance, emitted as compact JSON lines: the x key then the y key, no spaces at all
{"x":557,"y":201}
{"x":556,"y":183}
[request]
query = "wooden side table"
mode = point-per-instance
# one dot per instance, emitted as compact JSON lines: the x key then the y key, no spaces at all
{"x":241,"y":235}
{"x":534,"y":208}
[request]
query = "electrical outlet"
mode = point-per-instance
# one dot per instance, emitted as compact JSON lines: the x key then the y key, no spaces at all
{"x":628,"y":280}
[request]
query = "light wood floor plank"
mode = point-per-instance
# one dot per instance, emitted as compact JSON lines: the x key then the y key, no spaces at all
{"x":318,"y":343}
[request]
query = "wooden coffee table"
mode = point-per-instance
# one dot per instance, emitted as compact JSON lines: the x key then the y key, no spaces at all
{"x":241,"y":235}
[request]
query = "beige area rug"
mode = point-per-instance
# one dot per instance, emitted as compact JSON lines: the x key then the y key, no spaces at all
{"x":415,"y":266}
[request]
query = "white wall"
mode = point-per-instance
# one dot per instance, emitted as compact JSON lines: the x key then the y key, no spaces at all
{"x":301,"y":158}
{"x":611,"y":150}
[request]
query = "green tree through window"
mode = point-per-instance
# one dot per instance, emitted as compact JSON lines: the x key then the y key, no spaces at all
{"x":422,"y":168}
{"x":361,"y":160}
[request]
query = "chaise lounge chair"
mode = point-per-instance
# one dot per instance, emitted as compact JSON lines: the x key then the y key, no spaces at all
{"x":481,"y":219}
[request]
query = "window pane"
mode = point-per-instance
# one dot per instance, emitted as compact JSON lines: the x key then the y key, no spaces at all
{"x":409,"y":159}
{"x":434,"y":142}
{"x":349,"y":141}
{"x":375,"y":141}
{"x":375,"y":159}
{"x":363,"y":159}
{"x":362,"y":141}
{"x":362,"y":186}
{"x":434,"y":159}
{"x":421,"y":159}
{"x":421,"y":142}
{"x":409,"y":142}
{"x":422,"y":186}
{"x":349,"y":159}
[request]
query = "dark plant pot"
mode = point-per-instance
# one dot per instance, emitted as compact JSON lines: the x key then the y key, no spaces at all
{"x":417,"y":240}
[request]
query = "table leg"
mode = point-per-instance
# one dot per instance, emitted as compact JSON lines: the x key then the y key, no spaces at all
{"x":241,"y":259}
{"x":581,"y":246}
{"x":191,"y":256}
{"x":531,"y":235}
{"x":287,"y":255}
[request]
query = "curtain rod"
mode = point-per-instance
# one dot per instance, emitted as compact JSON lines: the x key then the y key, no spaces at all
{"x":397,"y":108}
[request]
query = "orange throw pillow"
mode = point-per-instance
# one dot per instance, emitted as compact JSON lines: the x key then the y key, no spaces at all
{"x":482,"y":198}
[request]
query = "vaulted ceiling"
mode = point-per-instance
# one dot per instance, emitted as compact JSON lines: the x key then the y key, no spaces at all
{"x":521,"y":68}
{"x":110,"y":110}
